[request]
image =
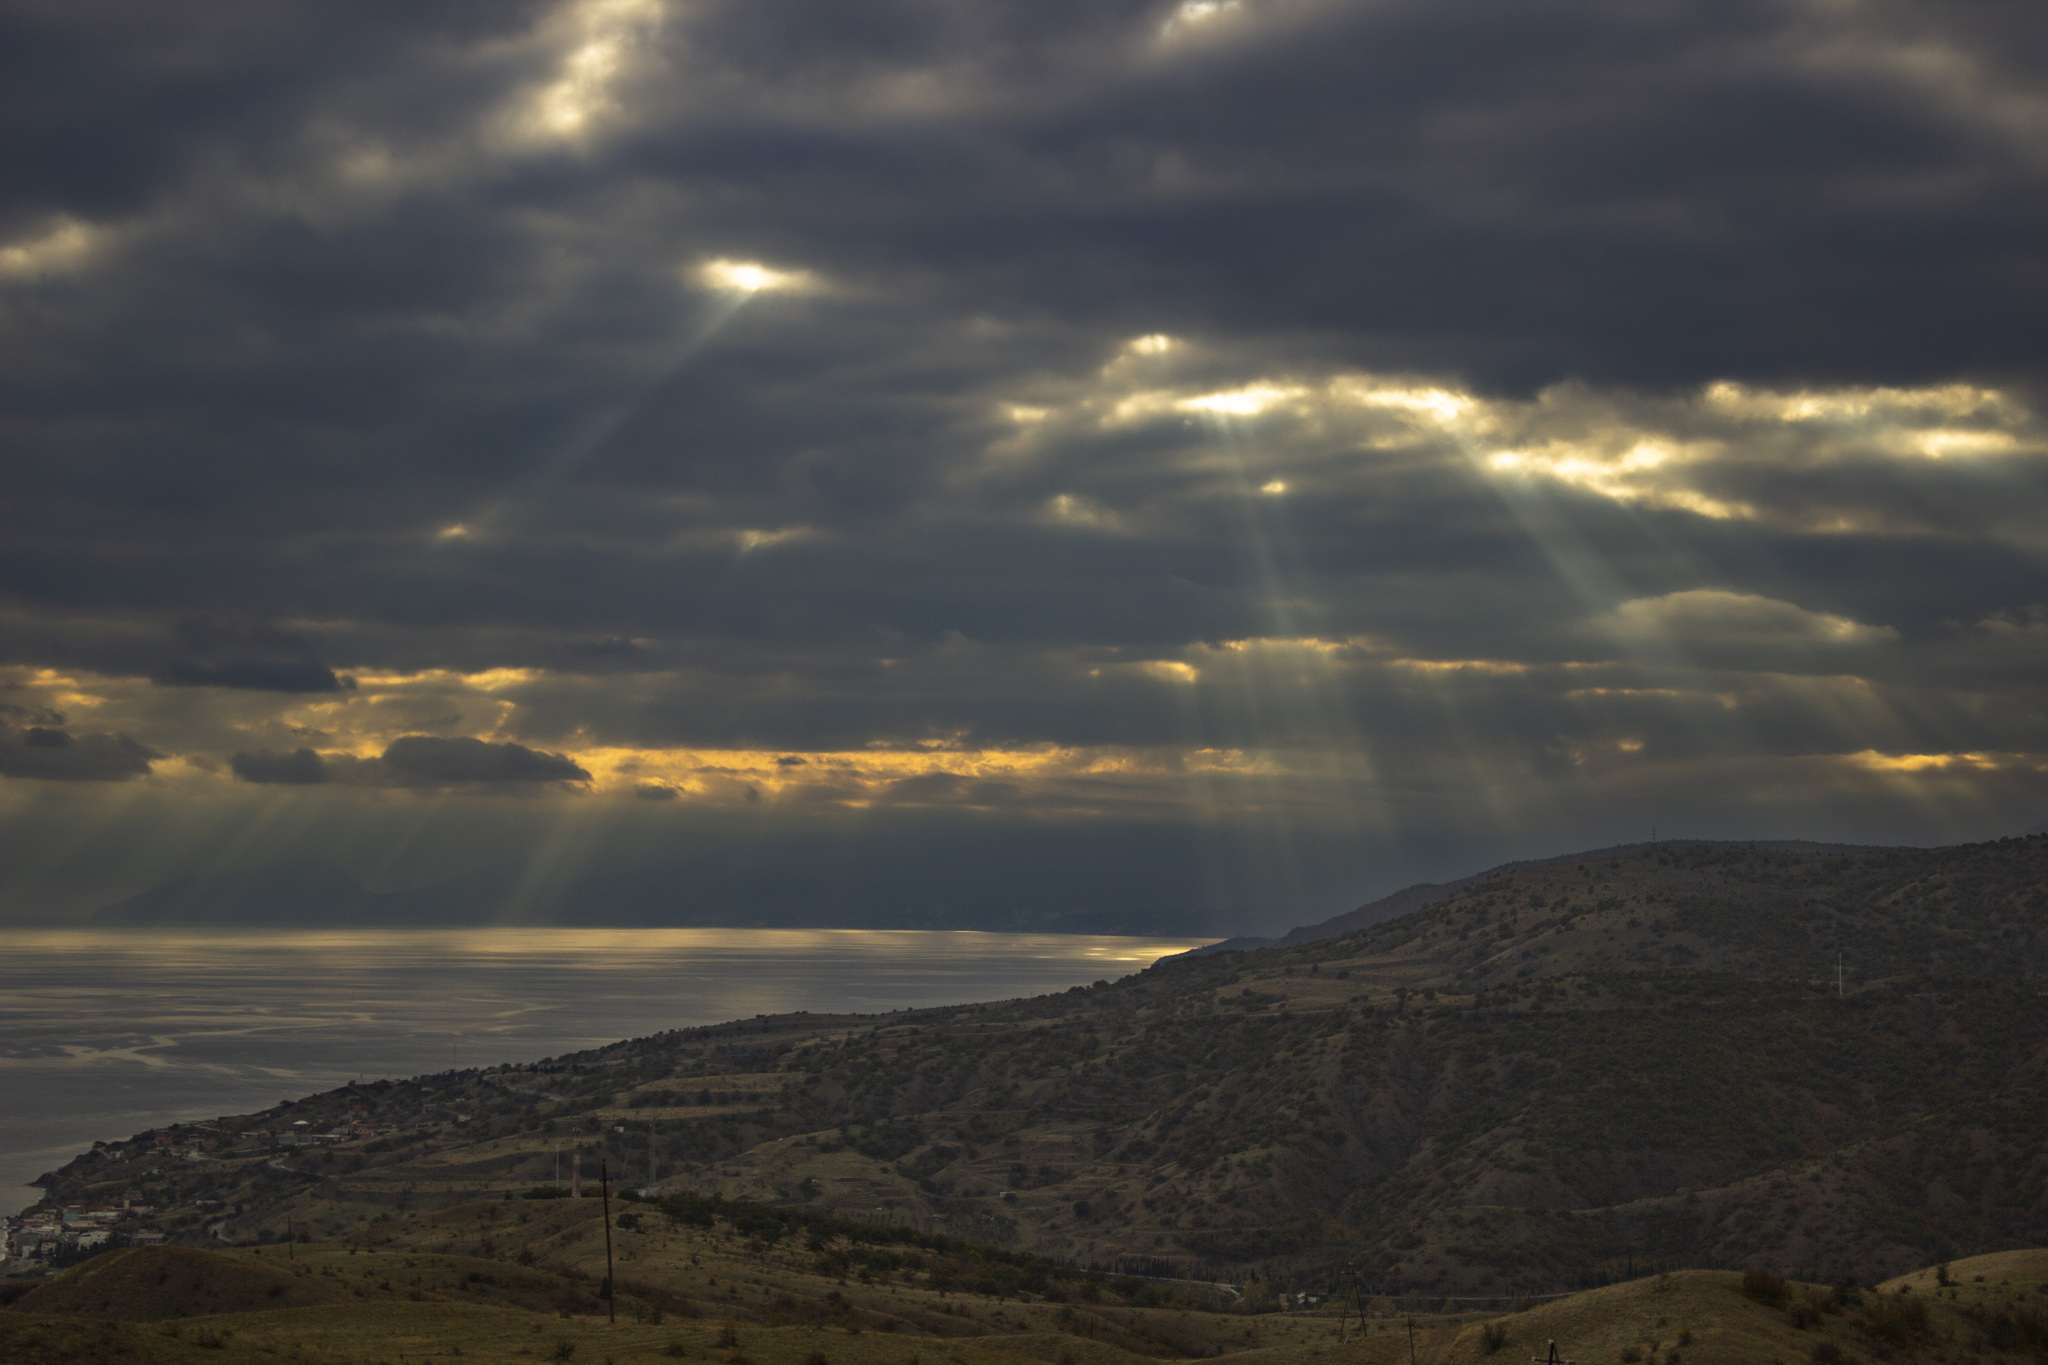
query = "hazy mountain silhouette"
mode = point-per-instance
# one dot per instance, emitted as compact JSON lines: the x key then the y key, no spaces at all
{"x":302,"y":892}
{"x":298,"y":893}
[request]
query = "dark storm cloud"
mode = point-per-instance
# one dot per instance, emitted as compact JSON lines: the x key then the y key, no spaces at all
{"x":260,"y":660}
{"x":109,"y":105}
{"x":412,"y":761}
{"x":431,"y":761}
{"x":1589,"y":188}
{"x":298,"y":768}
{"x":259,"y":675}
{"x":360,"y":384}
{"x":54,"y":755}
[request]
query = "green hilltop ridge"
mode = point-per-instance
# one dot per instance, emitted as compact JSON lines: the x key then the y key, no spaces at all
{"x":1560,"y":1075}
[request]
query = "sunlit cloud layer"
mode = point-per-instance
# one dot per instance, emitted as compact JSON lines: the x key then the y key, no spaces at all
{"x":64,"y":246}
{"x":1220,"y":459}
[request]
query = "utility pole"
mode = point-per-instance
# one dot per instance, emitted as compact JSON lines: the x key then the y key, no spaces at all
{"x":611,"y":1293}
{"x":1839,"y":992}
{"x":1411,"y":1341}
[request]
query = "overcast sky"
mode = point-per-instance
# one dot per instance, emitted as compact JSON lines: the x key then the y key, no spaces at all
{"x":1221,"y":459}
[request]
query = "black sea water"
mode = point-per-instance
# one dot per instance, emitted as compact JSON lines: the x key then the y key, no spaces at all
{"x":103,"y":1034}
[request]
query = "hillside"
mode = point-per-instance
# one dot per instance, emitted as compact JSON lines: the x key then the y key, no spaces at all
{"x":1560,"y":1075}
{"x":1422,"y":894}
{"x":452,"y":1285}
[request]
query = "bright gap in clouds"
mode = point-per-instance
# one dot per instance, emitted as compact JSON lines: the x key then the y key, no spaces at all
{"x":596,"y":38}
{"x":1190,"y":15}
{"x":1249,"y":401}
{"x":1706,"y":453}
{"x":750,"y":277}
{"x":66,"y":246}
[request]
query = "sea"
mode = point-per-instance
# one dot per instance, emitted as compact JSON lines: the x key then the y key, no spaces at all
{"x":107,"y":1034}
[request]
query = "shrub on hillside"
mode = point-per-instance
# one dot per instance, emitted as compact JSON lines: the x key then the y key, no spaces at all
{"x":2013,"y":1329}
{"x":1894,"y":1318}
{"x":1766,"y":1288}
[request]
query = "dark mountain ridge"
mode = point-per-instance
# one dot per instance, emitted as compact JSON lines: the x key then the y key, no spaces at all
{"x":1684,"y":1054}
{"x":1422,"y":894}
{"x":304,"y":893}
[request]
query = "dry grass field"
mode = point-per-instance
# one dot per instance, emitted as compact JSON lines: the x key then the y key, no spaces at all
{"x":716,"y":1294}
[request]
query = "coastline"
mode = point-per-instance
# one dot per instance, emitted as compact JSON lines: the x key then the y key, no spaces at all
{"x":113,"y":1032}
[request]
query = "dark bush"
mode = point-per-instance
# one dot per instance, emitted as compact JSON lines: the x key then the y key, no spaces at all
{"x":2013,"y":1329}
{"x":1894,"y":1318}
{"x":1492,"y":1337}
{"x":1825,"y":1353}
{"x":1764,"y":1287}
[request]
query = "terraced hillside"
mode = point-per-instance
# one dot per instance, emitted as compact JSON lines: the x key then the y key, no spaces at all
{"x":1557,"y":1076}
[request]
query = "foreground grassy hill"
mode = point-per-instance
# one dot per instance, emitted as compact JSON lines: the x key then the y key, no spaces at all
{"x":1558,"y":1075}
{"x":732,"y":1291}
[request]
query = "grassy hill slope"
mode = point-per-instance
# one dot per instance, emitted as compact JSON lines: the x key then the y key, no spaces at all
{"x":732,"y":1291}
{"x":1561,"y":1074}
